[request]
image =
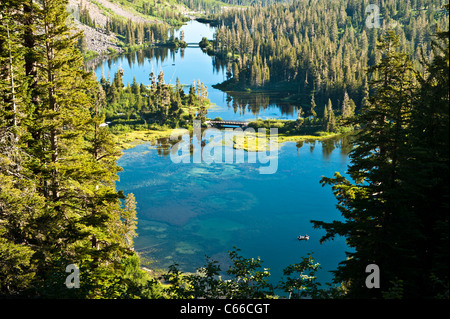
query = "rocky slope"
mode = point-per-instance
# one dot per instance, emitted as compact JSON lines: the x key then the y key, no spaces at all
{"x":96,"y":40}
{"x":100,"y":11}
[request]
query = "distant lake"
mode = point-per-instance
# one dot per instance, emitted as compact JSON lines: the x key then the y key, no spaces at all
{"x":192,"y":64}
{"x":187,"y":211}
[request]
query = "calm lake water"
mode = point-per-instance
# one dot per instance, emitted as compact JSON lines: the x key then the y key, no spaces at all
{"x":192,"y":64}
{"x":187,"y":211}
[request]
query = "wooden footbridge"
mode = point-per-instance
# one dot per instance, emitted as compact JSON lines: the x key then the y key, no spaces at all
{"x":227,"y":123}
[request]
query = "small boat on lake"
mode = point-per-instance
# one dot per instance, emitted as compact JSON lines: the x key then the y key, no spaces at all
{"x":301,"y":237}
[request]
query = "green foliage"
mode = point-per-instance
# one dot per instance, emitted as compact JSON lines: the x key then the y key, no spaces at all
{"x":204,"y":43}
{"x":216,"y":6}
{"x":322,"y":49}
{"x":134,"y":33}
{"x":303,"y":126}
{"x":303,"y":284}
{"x":165,"y":10}
{"x":177,"y":288}
{"x":59,"y":204}
{"x":58,"y":201}
{"x":85,"y":17}
{"x":138,"y":107}
{"x":245,"y":279}
{"x":250,"y":280}
{"x":205,"y":283}
{"x":329,"y":120}
{"x":129,"y":219}
{"x":138,"y":282}
{"x":16,"y":271}
{"x":396,"y":208}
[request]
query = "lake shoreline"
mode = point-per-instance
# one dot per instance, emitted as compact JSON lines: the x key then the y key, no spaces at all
{"x":188,"y":210}
{"x":132,"y":139}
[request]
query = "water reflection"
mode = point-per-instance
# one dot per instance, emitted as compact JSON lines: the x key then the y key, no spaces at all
{"x":343,"y":143}
{"x":191,"y":64}
{"x":188,"y":210}
{"x":261,"y":105}
{"x":138,"y":58}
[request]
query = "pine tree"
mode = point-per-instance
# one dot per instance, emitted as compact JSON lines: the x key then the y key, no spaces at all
{"x":312,"y":107}
{"x":129,"y":220}
{"x":365,"y":99}
{"x":163,"y":97}
{"x":58,"y":202}
{"x":135,"y":88}
{"x":376,"y":223}
{"x":202,"y":95}
{"x":329,"y":120}
{"x":346,"y":111}
{"x":179,"y":88}
{"x":192,"y":100}
{"x":82,"y":44}
{"x":325,"y":118}
{"x":332,"y":119}
{"x":426,"y":176}
{"x":19,"y":201}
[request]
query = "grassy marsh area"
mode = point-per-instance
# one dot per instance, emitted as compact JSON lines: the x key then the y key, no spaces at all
{"x":127,"y":140}
{"x":251,"y":141}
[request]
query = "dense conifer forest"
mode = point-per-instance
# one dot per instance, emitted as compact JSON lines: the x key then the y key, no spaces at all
{"x":137,"y":106}
{"x":319,"y":49}
{"x":59,"y":205}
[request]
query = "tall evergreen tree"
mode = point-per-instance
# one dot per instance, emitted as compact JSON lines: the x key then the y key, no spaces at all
{"x":377,"y":224}
{"x":312,"y":112}
{"x":329,"y":119}
{"x":426,"y":175}
{"x":58,"y":202}
{"x":347,"y":109}
{"x":19,"y":200}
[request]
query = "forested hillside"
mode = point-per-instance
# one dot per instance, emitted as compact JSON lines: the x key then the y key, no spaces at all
{"x":319,"y":48}
{"x":115,"y":26}
{"x":217,"y":6}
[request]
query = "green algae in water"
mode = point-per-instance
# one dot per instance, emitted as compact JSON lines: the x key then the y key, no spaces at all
{"x":186,"y":248}
{"x":232,"y":201}
{"x":218,"y":229}
{"x":153,"y":226}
